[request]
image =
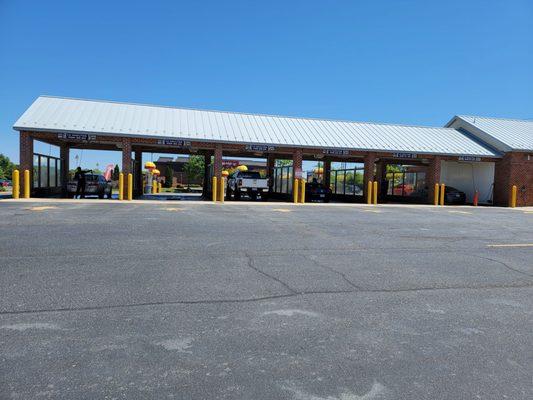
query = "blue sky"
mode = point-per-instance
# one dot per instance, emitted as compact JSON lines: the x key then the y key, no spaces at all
{"x":411,"y":62}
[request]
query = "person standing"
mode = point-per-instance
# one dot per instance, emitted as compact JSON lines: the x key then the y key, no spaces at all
{"x":79,"y":176}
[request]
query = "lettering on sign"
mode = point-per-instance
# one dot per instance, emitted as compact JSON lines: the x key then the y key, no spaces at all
{"x":76,"y":136}
{"x":405,"y":155}
{"x":259,"y":147}
{"x":335,"y":152}
{"x":469,"y":158}
{"x":174,"y":142}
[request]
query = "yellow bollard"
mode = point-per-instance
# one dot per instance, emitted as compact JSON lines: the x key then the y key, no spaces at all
{"x":221,"y":190}
{"x":369,"y":193}
{"x":295,"y":191}
{"x":160,"y":186}
{"x":121,"y":186}
{"x":16,"y":184}
{"x":513,"y":196}
{"x":154,"y":186}
{"x":130,"y":186}
{"x":214,"y":188}
{"x":436,"y":195}
{"x":27,"y":184}
{"x":442,"y":191}
{"x":375,"y":192}
{"x":302,"y":191}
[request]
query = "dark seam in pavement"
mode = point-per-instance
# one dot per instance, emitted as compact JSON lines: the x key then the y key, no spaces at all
{"x":256,"y":299}
{"x":327,"y":267}
{"x":250,"y":263}
{"x":507,"y":266}
{"x":329,"y":250}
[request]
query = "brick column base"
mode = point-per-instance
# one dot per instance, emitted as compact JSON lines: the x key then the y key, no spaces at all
{"x":26,"y":158}
{"x":433,"y":177}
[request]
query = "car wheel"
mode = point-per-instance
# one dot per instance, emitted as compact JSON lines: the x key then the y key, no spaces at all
{"x":238,"y":195}
{"x":110,"y":194}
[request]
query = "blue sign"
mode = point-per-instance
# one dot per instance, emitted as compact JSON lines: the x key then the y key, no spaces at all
{"x":76,"y":136}
{"x":259,"y":147}
{"x":174,"y":142}
{"x":336,"y":152}
{"x":405,"y":155}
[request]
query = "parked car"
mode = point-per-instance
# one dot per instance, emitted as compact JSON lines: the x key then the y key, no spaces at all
{"x":96,"y":185}
{"x":246,"y":182}
{"x":316,"y":191}
{"x":454,"y":196}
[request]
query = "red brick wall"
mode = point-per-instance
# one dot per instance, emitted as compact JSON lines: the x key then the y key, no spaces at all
{"x":26,"y":158}
{"x":514,"y":169}
{"x":369,"y":171}
{"x":433,"y":177}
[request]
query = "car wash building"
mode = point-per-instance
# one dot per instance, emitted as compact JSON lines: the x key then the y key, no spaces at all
{"x":470,"y":153}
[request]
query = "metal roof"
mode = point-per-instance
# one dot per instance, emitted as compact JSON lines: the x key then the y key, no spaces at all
{"x":504,"y":134}
{"x":124,"y":119}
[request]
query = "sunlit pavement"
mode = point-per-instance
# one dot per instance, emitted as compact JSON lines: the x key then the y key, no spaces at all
{"x":188,"y":300}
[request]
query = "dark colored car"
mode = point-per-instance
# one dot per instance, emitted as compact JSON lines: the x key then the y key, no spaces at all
{"x":454,"y":196}
{"x":95,"y":185}
{"x":316,"y":191}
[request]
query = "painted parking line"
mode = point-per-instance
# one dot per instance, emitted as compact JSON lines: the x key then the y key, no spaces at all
{"x":41,"y":208}
{"x":173,"y":209}
{"x":459,"y":212}
{"x":373,"y":211}
{"x":511,"y":245}
{"x":281,"y":210}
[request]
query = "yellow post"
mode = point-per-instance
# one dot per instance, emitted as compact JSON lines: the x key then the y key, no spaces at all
{"x":295,"y":191}
{"x":302,"y":190}
{"x":442,"y":190}
{"x":160,"y":187}
{"x":375,"y":192}
{"x":513,"y":196}
{"x":16,"y":184}
{"x":154,"y":186}
{"x":436,"y":195}
{"x":369,"y":193}
{"x":214,"y":188}
{"x":221,"y":190}
{"x":27,"y":184}
{"x":130,"y":186}
{"x":121,"y":186}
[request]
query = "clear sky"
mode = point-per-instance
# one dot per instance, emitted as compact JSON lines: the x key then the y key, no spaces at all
{"x":412,"y":62}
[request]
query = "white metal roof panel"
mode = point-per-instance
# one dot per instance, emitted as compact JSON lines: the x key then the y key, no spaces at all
{"x":112,"y":118}
{"x":514,"y":134}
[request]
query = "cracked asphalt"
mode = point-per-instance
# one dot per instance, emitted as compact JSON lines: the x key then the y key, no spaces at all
{"x":182,"y":300}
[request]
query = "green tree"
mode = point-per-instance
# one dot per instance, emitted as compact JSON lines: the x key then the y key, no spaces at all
{"x":6,"y":167}
{"x":283,"y":163}
{"x":169,"y":174}
{"x":194,"y":168}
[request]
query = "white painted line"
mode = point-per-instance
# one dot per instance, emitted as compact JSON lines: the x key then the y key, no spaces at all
{"x":511,"y":245}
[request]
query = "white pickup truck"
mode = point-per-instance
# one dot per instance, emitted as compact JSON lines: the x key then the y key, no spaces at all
{"x":247,"y":182}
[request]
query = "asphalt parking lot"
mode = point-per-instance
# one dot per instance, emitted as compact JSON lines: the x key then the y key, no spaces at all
{"x":264,"y":301}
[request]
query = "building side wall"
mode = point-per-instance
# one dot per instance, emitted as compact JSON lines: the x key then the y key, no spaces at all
{"x":514,"y":169}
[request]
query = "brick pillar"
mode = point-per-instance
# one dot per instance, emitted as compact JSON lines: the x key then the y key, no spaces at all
{"x":217,"y":163}
{"x":368,"y":174}
{"x":126,"y":162}
{"x":26,"y":158}
{"x":433,"y":177}
{"x":326,"y":173}
{"x":271,"y":160}
{"x":379,"y":178}
{"x":138,"y":174}
{"x":64,"y":155}
{"x":207,"y":162}
{"x":297,"y":165}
